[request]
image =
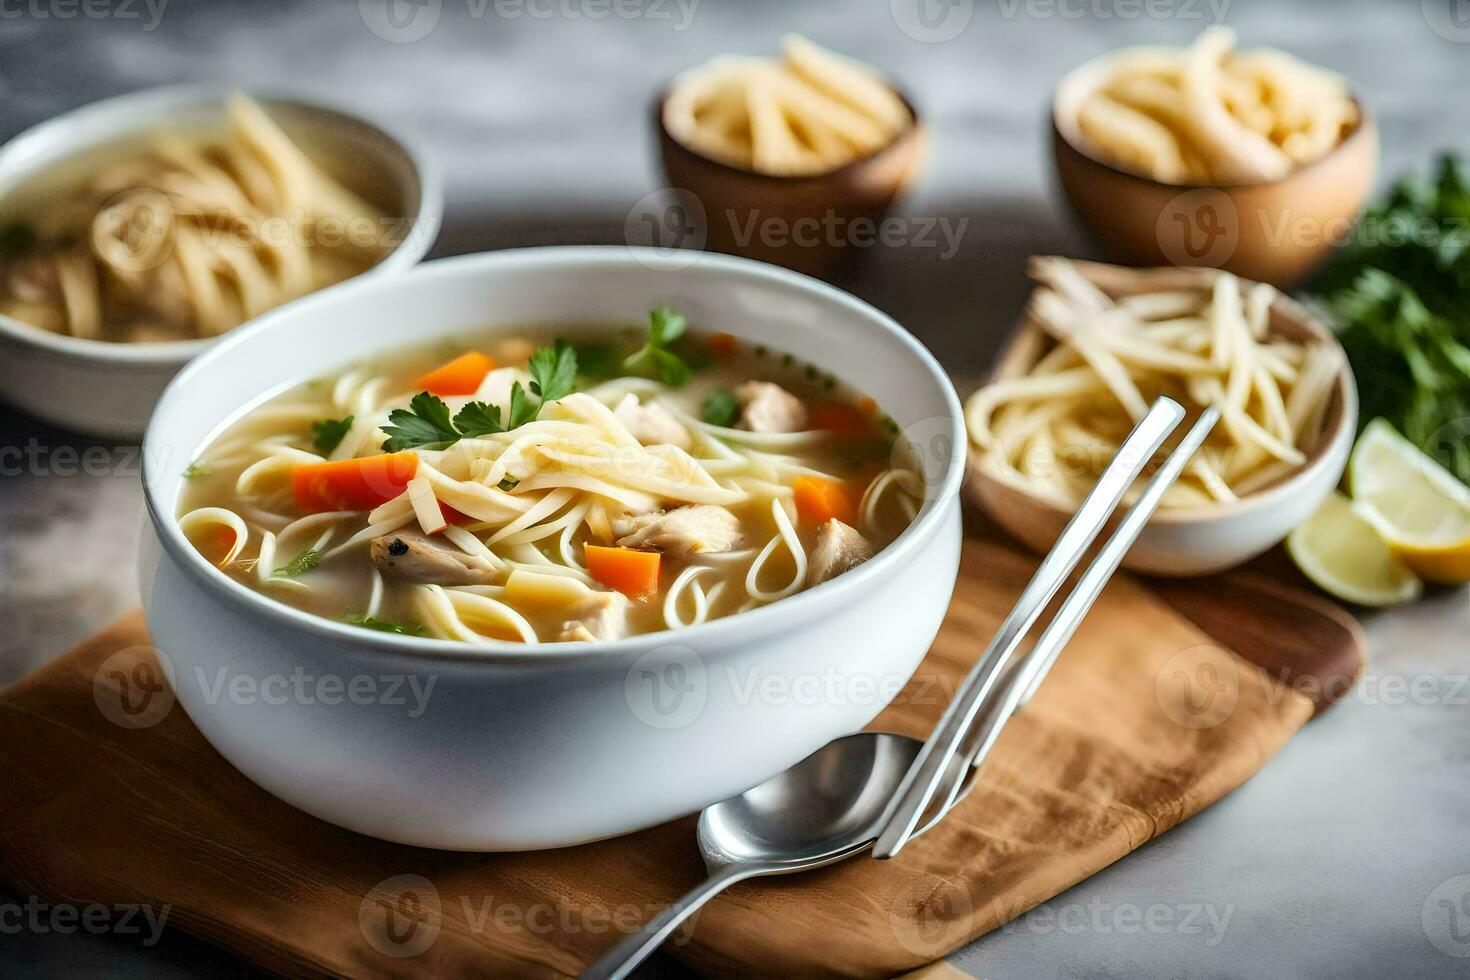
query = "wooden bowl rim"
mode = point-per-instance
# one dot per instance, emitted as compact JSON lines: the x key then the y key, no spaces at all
{"x":914,"y":130}
{"x":1341,"y":412}
{"x":1364,"y":129}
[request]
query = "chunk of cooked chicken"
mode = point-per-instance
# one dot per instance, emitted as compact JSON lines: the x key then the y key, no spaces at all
{"x":838,"y":549}
{"x":652,"y":424}
{"x":600,"y":616}
{"x":412,"y":556}
{"x":767,"y":407}
{"x":693,"y":530}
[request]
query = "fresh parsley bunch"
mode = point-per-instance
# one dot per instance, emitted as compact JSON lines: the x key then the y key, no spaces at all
{"x":1399,"y":296}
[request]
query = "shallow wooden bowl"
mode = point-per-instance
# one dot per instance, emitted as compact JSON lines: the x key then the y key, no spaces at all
{"x":1177,"y":541}
{"x":1276,"y":232}
{"x":807,"y":223}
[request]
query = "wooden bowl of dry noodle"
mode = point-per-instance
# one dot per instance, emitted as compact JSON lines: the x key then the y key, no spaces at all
{"x":814,"y":182}
{"x":1249,"y":208}
{"x":1049,"y":423}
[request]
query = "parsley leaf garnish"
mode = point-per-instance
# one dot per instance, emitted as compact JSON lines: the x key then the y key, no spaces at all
{"x":195,"y":470}
{"x":664,"y":327}
{"x":426,"y":424}
{"x":478,"y":419}
{"x":299,"y":565}
{"x":328,"y":434}
{"x":553,"y":371}
{"x":720,"y":408}
{"x":598,"y":362}
{"x":522,"y":409}
{"x":409,"y":628}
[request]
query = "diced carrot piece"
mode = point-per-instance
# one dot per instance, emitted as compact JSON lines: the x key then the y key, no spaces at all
{"x":461,"y":376}
{"x":847,"y":420}
{"x":819,"y":500}
{"x":723,"y":345}
{"x":631,"y":572}
{"x":353,"y":484}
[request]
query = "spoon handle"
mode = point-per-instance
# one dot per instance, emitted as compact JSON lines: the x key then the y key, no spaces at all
{"x":619,"y":961}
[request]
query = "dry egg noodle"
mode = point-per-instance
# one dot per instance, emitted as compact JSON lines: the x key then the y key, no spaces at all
{"x":808,"y":113}
{"x":188,"y":239}
{"x":1209,"y":114}
{"x":1057,"y":426}
{"x":755,"y":478}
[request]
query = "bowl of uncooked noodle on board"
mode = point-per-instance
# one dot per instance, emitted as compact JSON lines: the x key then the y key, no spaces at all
{"x":137,"y":230}
{"x":1100,"y":342}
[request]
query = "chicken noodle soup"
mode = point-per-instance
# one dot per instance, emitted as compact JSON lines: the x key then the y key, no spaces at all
{"x":540,"y":488}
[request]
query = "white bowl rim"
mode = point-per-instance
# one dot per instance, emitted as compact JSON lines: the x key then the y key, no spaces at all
{"x":425,"y":173}
{"x":791,"y":612}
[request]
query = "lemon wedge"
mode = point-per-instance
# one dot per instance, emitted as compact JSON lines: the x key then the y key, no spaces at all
{"x":1342,"y":552}
{"x":1417,"y":505}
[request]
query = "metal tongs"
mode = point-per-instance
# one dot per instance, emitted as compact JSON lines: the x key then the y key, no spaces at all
{"x":994,"y":690}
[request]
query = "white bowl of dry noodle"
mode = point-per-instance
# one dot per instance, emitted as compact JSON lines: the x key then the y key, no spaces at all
{"x":136,"y":230}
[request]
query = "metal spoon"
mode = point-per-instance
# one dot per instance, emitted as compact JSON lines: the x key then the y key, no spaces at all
{"x":825,"y":808}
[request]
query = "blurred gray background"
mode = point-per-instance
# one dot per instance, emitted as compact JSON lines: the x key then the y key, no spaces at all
{"x":1341,"y":859}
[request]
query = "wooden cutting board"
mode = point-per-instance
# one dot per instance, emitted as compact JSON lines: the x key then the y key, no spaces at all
{"x":1155,"y":711}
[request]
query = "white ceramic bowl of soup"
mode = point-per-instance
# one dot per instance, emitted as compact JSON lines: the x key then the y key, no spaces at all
{"x":106,"y":388}
{"x":507,"y":746}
